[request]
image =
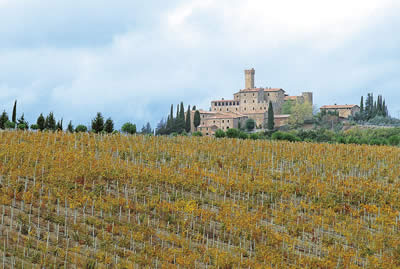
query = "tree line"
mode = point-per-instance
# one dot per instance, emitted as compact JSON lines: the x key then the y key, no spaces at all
{"x":49,"y":123}
{"x":372,"y":108}
{"x":180,"y":123}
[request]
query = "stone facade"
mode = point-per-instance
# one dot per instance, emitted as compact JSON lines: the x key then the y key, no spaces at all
{"x":253,"y":102}
{"x":345,"y":111}
{"x":212,"y":121}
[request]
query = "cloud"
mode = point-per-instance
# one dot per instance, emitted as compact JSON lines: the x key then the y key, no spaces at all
{"x":131,"y":61}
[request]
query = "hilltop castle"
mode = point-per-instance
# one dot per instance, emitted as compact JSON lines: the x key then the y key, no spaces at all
{"x":248,"y":103}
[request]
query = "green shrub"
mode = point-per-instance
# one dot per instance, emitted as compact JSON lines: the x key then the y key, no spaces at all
{"x":219,"y":133}
{"x":394,"y":140}
{"x":378,"y":141}
{"x":232,"y":133}
{"x":81,"y":128}
{"x":243,"y":135}
{"x":285,"y":136}
{"x":352,"y":140}
{"x":129,"y":128}
{"x":9,"y":125}
{"x":22,"y":126}
{"x":198,"y":133}
{"x":341,"y":139}
{"x":254,"y":136}
{"x":34,"y":127}
{"x":250,"y":124}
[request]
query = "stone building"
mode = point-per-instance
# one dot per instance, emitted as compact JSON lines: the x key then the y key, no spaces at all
{"x":212,"y":121}
{"x":253,"y":102}
{"x":345,"y":111}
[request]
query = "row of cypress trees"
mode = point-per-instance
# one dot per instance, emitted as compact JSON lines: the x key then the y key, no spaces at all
{"x":372,"y":108}
{"x":181,"y":122}
{"x":51,"y":124}
{"x":5,"y":122}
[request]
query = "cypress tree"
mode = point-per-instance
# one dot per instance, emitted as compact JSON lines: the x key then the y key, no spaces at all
{"x":170,"y":120}
{"x":369,"y":106}
{"x":187,"y":124}
{"x":14,"y":114}
{"x":181,"y":119}
{"x":270,"y":123}
{"x":109,"y":126}
{"x":384,"y":109}
{"x":59,"y":126}
{"x":362,"y":104}
{"x":148,"y":128}
{"x":171,"y":114}
{"x":98,"y":123}
{"x":41,"y":122}
{"x":50,"y":122}
{"x":3,"y":119}
{"x":182,"y":112}
{"x":70,"y":127}
{"x":196,"y":120}
{"x":194,"y":108}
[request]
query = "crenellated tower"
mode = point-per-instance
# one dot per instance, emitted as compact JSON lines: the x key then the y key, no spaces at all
{"x":249,"y":78}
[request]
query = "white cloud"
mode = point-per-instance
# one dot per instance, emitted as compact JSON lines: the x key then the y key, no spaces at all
{"x":270,"y":24}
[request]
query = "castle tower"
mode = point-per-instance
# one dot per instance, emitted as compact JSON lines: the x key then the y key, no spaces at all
{"x":249,"y":78}
{"x":308,"y":97}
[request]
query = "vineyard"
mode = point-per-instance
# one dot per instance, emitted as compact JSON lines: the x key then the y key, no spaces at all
{"x":116,"y":201}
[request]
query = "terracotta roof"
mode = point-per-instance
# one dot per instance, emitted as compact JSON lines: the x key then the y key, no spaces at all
{"x":291,"y":98}
{"x":209,"y":126}
{"x":206,"y":112}
{"x":228,"y":115}
{"x":249,"y":113}
{"x":339,"y":106}
{"x":283,"y":116}
{"x":273,"y":90}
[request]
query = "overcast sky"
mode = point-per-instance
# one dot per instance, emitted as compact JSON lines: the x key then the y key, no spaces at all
{"x":131,"y":59}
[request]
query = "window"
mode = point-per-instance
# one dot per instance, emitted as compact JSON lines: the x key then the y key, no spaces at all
{"x":254,"y":108}
{"x":236,"y":109}
{"x":253,"y":94}
{"x":227,"y":109}
{"x":227,"y":127}
{"x":215,"y":109}
{"x":214,"y":121}
{"x":253,"y":101}
{"x":230,"y":103}
{"x":220,"y":109}
{"x":244,"y":101}
{"x":222,"y":121}
{"x":228,"y":120}
{"x":244,"y":108}
{"x":244,"y":94}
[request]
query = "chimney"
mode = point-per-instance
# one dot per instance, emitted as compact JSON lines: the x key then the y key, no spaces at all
{"x":249,"y":78}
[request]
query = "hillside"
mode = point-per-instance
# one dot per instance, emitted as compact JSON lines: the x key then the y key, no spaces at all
{"x":104,"y":201}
